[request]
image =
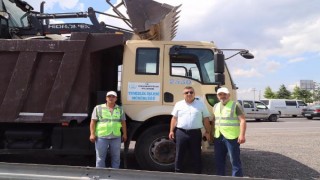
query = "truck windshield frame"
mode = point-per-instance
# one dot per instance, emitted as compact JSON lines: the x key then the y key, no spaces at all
{"x":194,"y":63}
{"x":17,"y":17}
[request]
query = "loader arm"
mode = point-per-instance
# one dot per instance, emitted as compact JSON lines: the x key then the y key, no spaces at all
{"x":147,"y":20}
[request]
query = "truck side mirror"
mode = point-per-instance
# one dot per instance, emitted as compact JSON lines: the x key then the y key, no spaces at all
{"x":219,"y":68}
{"x":219,"y":63}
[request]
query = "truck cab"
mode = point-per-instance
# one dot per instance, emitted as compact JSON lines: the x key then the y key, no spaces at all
{"x":258,"y":110}
{"x":154,"y":74}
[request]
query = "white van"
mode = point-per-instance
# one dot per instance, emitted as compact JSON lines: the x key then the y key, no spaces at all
{"x":286,"y":107}
{"x":258,"y":111}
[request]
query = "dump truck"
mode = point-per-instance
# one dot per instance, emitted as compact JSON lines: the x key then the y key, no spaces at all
{"x":50,"y":82}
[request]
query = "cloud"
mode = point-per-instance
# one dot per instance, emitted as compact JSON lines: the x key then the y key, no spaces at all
{"x":250,"y":93}
{"x":246,"y":73}
{"x":114,"y":21}
{"x":272,"y":66}
{"x":50,"y":4}
{"x":292,"y":86}
{"x":56,"y":21}
{"x":269,"y":29}
{"x":294,"y":60}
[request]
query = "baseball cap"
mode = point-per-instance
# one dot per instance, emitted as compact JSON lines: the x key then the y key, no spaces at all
{"x":223,"y":90}
{"x":111,"y":93}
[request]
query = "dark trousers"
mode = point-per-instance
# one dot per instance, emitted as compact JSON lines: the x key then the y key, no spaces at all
{"x":222,"y":147}
{"x":188,"y":140}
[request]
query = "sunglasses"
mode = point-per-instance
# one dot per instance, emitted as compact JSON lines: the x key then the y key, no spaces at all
{"x":188,"y":92}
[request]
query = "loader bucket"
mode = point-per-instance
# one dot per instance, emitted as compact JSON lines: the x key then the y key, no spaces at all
{"x":152,"y":20}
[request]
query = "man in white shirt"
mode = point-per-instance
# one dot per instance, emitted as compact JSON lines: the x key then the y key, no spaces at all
{"x":188,"y":117}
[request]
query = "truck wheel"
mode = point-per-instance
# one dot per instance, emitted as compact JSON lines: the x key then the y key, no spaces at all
{"x":309,"y":117}
{"x":154,"y":150}
{"x":273,"y":118}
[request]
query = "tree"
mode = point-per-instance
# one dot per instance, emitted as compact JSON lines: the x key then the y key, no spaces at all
{"x":306,"y":96}
{"x":316,"y":95}
{"x":302,"y":94}
{"x":268,"y":93}
{"x":283,"y":93}
{"x":296,"y":94}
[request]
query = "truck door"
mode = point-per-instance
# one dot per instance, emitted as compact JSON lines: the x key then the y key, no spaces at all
{"x":142,"y":73}
{"x":190,"y":65}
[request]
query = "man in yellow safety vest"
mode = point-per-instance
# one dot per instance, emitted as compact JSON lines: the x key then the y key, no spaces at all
{"x":229,"y":132}
{"x":107,"y":120}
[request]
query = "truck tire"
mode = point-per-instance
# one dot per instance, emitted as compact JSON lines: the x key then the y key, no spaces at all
{"x":309,"y":117}
{"x":154,"y":150}
{"x":273,"y":118}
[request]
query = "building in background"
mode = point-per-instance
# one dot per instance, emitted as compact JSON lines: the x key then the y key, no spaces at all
{"x":307,"y":85}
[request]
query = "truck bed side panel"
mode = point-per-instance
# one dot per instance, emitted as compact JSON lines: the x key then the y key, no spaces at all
{"x":50,"y":81}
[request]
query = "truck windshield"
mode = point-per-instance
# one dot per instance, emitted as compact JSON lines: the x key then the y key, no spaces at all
{"x":193,"y":63}
{"x":17,"y":17}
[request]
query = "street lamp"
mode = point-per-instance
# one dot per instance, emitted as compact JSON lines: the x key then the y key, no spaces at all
{"x":243,"y":52}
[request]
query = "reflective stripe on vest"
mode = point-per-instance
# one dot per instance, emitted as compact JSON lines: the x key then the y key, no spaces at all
{"x":226,"y":121}
{"x":108,"y":124}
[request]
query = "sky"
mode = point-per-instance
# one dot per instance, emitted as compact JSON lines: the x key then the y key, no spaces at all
{"x":284,"y":36}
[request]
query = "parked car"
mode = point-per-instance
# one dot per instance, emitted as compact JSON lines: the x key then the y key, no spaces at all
{"x":286,"y":107}
{"x":311,"y":112}
{"x":258,"y":110}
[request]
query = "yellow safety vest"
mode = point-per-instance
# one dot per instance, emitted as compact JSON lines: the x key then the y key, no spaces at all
{"x":226,"y":121}
{"x":108,"y":124}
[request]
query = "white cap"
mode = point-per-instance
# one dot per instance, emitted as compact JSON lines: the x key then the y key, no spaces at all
{"x":111,"y":93}
{"x":223,"y":90}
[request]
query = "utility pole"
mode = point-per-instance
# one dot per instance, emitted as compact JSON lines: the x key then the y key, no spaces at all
{"x":254,"y":94}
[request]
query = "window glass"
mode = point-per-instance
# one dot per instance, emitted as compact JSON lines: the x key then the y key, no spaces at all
{"x":291,"y":103}
{"x":212,"y":99}
{"x":197,"y":64}
{"x":301,"y":103}
{"x":147,"y":61}
{"x":248,"y":104}
{"x":266,"y":102}
{"x":260,"y":105}
{"x":18,"y":18}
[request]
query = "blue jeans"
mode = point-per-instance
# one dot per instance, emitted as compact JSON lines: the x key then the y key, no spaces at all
{"x":102,"y":145}
{"x":222,"y":147}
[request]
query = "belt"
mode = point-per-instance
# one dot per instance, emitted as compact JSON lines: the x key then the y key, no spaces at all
{"x":189,"y":130}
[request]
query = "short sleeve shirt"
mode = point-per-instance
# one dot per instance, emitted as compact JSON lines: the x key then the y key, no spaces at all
{"x":190,"y":116}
